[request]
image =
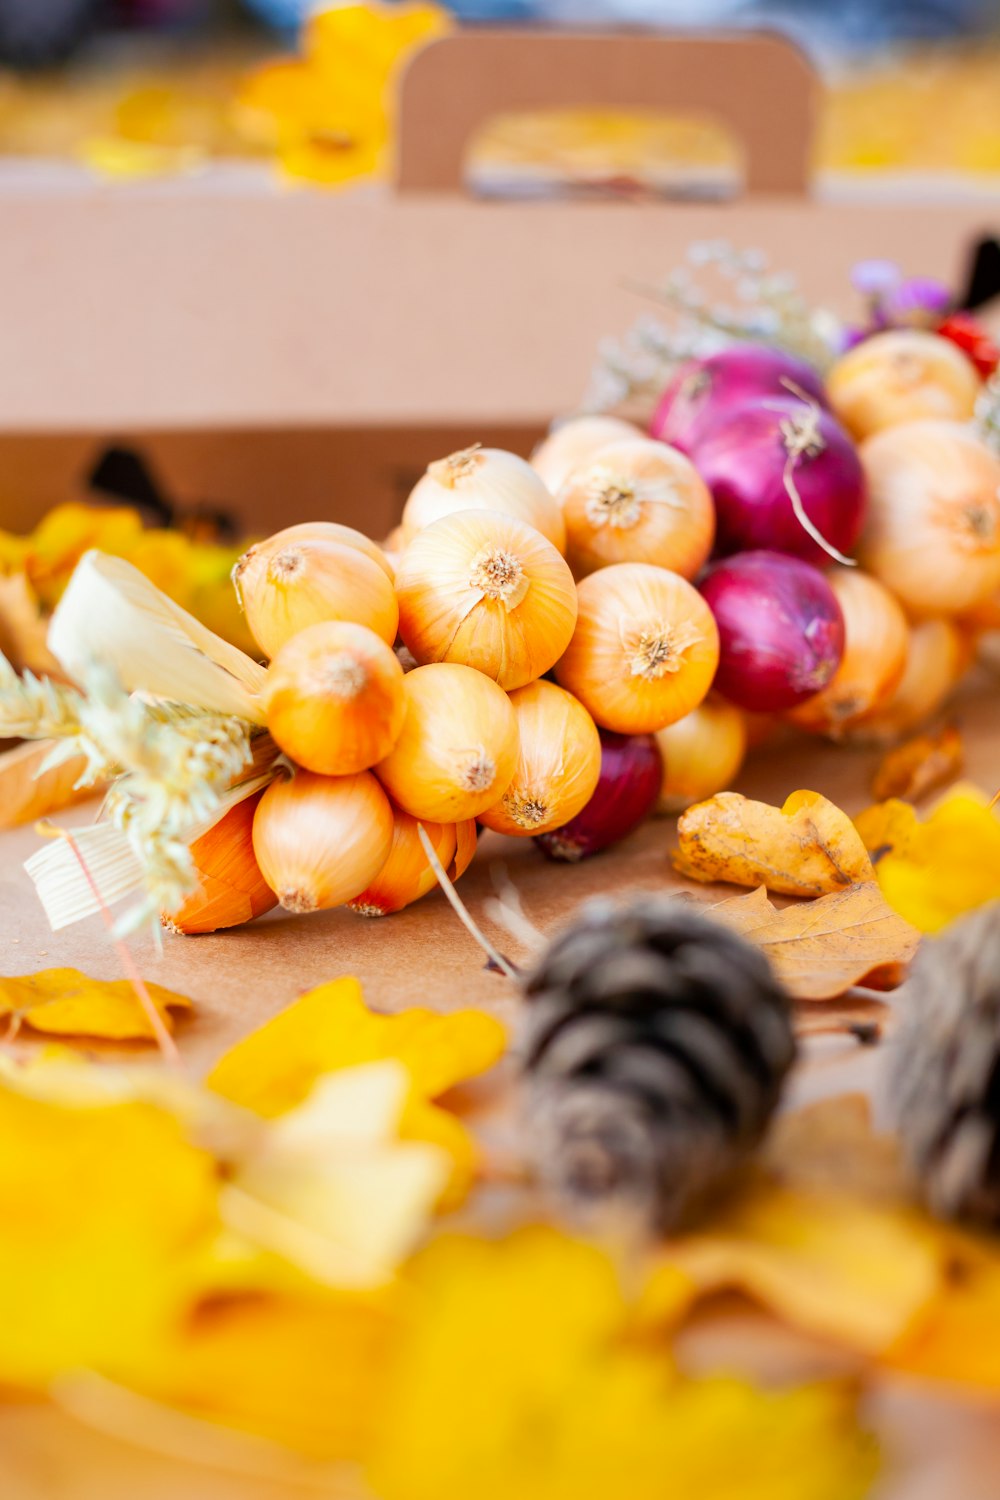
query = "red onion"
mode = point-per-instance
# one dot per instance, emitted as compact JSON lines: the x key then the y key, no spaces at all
{"x":781,"y":632}
{"x":784,"y":476}
{"x":626,"y":793}
{"x":705,"y":391}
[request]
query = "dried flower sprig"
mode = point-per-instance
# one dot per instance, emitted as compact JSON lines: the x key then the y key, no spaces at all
{"x":767,"y":306}
{"x":171,"y":766}
{"x":36,"y":708}
{"x":987,"y":413}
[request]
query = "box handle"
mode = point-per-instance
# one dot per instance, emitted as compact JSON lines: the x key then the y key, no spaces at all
{"x":760,"y":86}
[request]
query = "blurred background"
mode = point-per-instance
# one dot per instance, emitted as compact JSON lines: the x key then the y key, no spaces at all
{"x":158,"y":88}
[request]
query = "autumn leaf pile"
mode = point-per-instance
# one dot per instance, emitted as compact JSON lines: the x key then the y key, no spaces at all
{"x":246,"y":1251}
{"x":274,"y":1252}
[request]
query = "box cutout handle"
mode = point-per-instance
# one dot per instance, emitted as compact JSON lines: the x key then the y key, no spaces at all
{"x":761,"y":87}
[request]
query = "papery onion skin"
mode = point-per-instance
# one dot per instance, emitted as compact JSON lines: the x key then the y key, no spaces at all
{"x":320,"y":840}
{"x":407,"y":874}
{"x":933,"y":529}
{"x":231,"y":889}
{"x":318,"y":531}
{"x":644,"y":651}
{"x":334,"y":698}
{"x":876,"y":639}
{"x":902,"y":375}
{"x":486,"y":590}
{"x":625,"y":795}
{"x":706,"y":391}
{"x":702,"y":754}
{"x":558,"y":765}
{"x":289,"y":583}
{"x":637,"y":501}
{"x":781,"y":630}
{"x":484,"y":479}
{"x":572,"y":444}
{"x":747,"y":462}
{"x":458,"y":747}
{"x":939,"y":653}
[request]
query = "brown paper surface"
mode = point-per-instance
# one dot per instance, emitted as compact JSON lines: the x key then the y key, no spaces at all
{"x":423,"y":956}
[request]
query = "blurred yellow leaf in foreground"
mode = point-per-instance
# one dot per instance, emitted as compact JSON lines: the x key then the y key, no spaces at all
{"x":101,"y":1209}
{"x":519,"y":1374}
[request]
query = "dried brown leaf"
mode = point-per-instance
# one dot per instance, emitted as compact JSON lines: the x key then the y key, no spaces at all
{"x":808,"y":847}
{"x":920,"y":765}
{"x":820,"y":949}
{"x":855,"y":1015}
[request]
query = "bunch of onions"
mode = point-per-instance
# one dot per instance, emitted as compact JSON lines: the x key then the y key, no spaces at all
{"x":334,"y":698}
{"x":576,"y":443}
{"x":785,"y":477}
{"x":705,"y":391}
{"x":702,"y":754}
{"x":231,"y":889}
{"x":644,"y":651}
{"x":487,"y":591}
{"x":557,"y":767}
{"x":625,"y":795}
{"x":780,"y":628}
{"x":458,"y":747}
{"x":320,"y":840}
{"x":407,"y":875}
{"x":313,"y":573}
{"x":938,"y":654}
{"x":876,"y":639}
{"x":637,"y":501}
{"x":902,"y":375}
{"x":483,"y":479}
{"x":933,"y":529}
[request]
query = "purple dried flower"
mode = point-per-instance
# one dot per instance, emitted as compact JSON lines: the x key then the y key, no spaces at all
{"x":918,"y":299}
{"x":849,"y":338}
{"x":875,"y":278}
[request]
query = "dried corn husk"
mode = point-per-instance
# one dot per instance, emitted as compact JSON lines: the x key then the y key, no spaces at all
{"x":30,"y":790}
{"x":110,"y":614}
{"x":114,"y":867}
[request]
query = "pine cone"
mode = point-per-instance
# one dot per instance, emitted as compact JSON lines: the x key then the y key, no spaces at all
{"x":657,"y":1045}
{"x":945,"y":1079}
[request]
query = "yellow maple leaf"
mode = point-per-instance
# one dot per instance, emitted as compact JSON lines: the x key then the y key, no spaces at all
{"x":821,"y":949}
{"x":564,"y":1405}
{"x":275,"y":1067}
{"x":934,"y":870}
{"x":64,"y":1002}
{"x":101,"y":1208}
{"x":329,"y":114}
{"x":807,"y":847}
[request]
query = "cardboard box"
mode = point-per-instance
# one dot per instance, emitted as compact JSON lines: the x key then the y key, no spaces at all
{"x":305,"y":354}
